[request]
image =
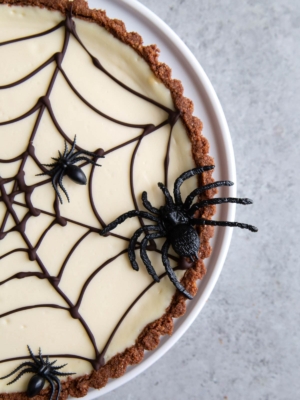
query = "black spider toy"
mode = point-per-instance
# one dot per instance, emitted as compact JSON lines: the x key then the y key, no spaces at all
{"x":64,"y":165}
{"x":176,"y":222}
{"x":44,"y":371}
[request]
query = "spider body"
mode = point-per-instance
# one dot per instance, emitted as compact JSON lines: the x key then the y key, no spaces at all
{"x":35,"y":385}
{"x":175,"y":221}
{"x":64,"y":165}
{"x":76,"y":174}
{"x":43,"y":371}
{"x":185,"y":241}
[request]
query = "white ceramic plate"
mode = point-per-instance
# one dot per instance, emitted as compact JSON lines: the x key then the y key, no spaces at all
{"x":198,"y":88}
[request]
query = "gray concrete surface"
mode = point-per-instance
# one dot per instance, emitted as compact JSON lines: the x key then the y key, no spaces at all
{"x":245,"y":344}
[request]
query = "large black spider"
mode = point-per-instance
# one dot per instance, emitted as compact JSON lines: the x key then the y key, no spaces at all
{"x":64,"y":165}
{"x":44,"y":371}
{"x":176,"y":222}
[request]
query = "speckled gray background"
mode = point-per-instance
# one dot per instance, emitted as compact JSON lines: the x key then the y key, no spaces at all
{"x":246,"y":342}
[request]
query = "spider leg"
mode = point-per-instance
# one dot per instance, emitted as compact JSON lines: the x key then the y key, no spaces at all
{"x":53,"y":362}
{"x":88,"y":153}
{"x":186,"y":175}
{"x":196,"y":192}
{"x":60,"y":155}
{"x":74,"y":160}
{"x":66,"y":149}
{"x":56,"y":159}
{"x":44,"y":173}
{"x":52,"y":387}
{"x":72,"y":148}
{"x":62,"y":373}
{"x":27,"y":364}
{"x":49,"y":173}
{"x":144,"y":256}
{"x":59,"y":366}
{"x":25,"y":371}
{"x":54,"y":183}
{"x":219,"y":200}
{"x":132,"y":243}
{"x":148,"y":205}
{"x":123,"y":217}
{"x":58,"y":385}
{"x":41,"y":356}
{"x":200,"y":221}
{"x":50,"y":165}
{"x":60,"y":184}
{"x":33,"y":356}
{"x":78,"y":153}
{"x":166,"y":193}
{"x":170,"y":272}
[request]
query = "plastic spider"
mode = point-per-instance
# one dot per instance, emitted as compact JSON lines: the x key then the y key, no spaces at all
{"x":44,"y":371}
{"x":176,"y":222}
{"x":64,"y":165}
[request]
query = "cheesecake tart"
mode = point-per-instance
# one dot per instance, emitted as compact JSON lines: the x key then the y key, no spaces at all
{"x":78,"y":91}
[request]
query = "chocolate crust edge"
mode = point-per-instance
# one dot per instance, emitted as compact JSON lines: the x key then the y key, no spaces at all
{"x":150,"y":337}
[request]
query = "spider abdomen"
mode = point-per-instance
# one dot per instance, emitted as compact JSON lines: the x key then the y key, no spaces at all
{"x":185,"y":241}
{"x":35,"y":385}
{"x":76,"y":174}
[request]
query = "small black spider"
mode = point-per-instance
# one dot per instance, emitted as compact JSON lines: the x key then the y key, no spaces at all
{"x":176,"y":222}
{"x":44,"y":371}
{"x":64,"y":166}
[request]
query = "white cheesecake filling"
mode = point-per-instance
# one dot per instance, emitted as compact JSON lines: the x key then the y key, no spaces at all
{"x":115,"y":287}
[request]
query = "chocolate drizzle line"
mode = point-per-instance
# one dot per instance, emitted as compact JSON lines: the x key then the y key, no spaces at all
{"x":44,"y":103}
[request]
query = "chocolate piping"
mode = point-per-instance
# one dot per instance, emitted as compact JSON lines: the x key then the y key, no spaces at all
{"x":30,"y":307}
{"x":98,"y":363}
{"x":21,"y":187}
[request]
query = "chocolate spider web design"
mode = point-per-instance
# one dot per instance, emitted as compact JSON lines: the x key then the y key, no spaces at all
{"x":19,"y":186}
